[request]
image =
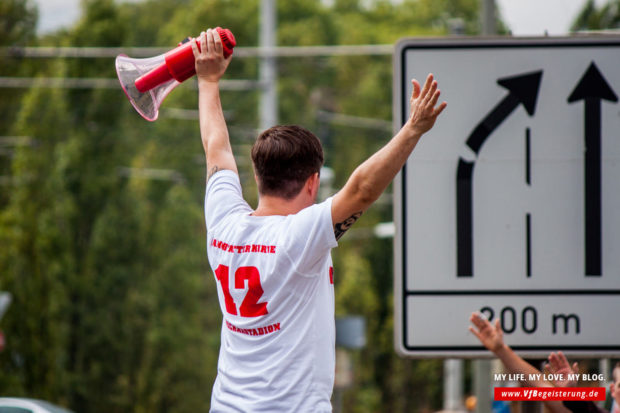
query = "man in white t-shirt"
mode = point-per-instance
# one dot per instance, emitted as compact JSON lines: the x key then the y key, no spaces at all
{"x":272,"y":264}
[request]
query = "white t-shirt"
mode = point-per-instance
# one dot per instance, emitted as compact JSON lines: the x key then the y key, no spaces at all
{"x":275,"y":285}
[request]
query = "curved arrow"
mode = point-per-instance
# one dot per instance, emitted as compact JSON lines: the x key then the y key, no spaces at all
{"x":522,"y":90}
{"x":592,"y":88}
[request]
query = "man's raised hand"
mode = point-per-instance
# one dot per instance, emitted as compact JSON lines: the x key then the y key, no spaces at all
{"x":424,"y":109}
{"x":559,"y":365}
{"x":210,"y":62}
{"x":491,"y":336}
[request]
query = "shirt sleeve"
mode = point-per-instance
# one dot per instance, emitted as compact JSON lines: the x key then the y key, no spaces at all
{"x":223,"y":197}
{"x":311,"y":237}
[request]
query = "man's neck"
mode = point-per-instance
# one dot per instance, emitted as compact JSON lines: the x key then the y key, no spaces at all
{"x":273,"y":205}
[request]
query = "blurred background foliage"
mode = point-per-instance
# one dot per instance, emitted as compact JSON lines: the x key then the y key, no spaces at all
{"x":114,"y":307}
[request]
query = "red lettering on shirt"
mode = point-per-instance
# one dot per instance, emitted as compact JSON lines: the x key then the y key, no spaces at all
{"x":331,"y":275}
{"x":261,"y":331}
{"x":242,"y":249}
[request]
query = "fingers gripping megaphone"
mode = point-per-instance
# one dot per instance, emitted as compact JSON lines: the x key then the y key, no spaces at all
{"x":146,"y":82}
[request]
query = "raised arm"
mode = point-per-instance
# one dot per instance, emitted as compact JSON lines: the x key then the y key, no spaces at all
{"x":374,"y":175}
{"x":559,"y":365}
{"x":210,"y":67}
{"x":492,"y":337}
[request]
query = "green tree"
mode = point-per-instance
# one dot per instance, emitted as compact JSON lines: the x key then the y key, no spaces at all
{"x":34,"y":255}
{"x":592,"y":17}
{"x":18,"y":19}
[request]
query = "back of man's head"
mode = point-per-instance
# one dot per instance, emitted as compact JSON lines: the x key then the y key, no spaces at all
{"x":284,"y":157}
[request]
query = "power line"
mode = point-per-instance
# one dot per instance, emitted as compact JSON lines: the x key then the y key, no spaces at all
{"x":10,"y":141}
{"x":58,"y":82}
{"x":354,"y":121}
{"x":240,"y":52}
{"x":103,"y":83}
{"x":138,"y":52}
{"x":151,"y":173}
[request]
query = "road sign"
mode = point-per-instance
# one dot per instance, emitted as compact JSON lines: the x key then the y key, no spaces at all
{"x":511,"y":204}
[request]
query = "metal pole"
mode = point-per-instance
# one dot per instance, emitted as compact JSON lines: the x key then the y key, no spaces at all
{"x":482,"y":385}
{"x":487,"y":17}
{"x":5,"y":301}
{"x":268,"y":70}
{"x":453,"y":385}
{"x":604,"y":366}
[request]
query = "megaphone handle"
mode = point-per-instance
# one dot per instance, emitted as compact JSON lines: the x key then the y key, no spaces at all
{"x":179,"y":64}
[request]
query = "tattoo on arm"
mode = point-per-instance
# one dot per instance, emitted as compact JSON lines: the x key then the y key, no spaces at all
{"x":211,"y":172}
{"x":342,"y":227}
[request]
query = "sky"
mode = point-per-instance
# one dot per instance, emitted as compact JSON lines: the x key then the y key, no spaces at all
{"x":54,"y":14}
{"x":523,"y":17}
{"x":534,"y":17}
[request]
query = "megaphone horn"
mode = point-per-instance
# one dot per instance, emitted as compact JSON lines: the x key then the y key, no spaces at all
{"x":146,"y":82}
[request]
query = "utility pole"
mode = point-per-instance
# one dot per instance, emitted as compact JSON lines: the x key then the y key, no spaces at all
{"x":5,"y":301}
{"x":487,"y":17}
{"x":482,"y":385}
{"x":268,"y":69}
{"x":453,"y":385}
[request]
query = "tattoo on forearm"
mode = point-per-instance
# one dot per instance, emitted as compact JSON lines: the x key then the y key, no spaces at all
{"x":212,"y":171}
{"x":342,"y":227}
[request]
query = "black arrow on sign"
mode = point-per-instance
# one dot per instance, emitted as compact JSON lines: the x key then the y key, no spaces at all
{"x":522,"y":90}
{"x":592,"y":88}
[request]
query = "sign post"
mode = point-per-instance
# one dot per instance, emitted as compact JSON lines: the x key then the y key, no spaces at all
{"x":511,"y":205}
{"x":5,"y":301}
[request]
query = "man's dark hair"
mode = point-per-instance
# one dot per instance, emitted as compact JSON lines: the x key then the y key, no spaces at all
{"x":284,"y":157}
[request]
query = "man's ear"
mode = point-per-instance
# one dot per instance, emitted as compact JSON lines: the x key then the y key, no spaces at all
{"x":312,"y":184}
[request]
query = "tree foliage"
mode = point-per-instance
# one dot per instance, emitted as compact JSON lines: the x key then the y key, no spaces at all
{"x":114,"y":307}
{"x":591,"y":17}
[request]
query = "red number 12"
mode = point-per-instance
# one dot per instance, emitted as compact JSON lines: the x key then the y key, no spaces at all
{"x":250,"y":307}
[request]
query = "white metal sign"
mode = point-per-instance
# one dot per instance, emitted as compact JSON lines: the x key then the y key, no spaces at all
{"x":511,"y":204}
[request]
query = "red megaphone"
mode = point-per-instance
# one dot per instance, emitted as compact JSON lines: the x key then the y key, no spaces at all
{"x":146,"y":82}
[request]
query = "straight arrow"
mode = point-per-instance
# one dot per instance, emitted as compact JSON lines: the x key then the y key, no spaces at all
{"x":592,"y":88}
